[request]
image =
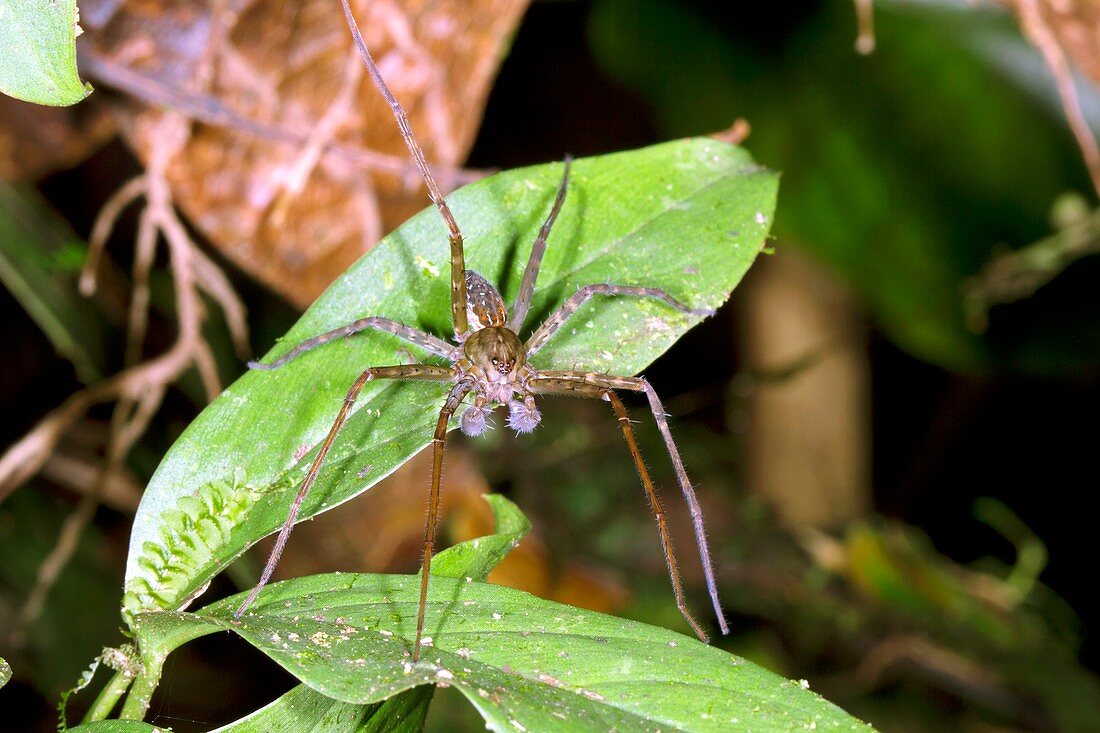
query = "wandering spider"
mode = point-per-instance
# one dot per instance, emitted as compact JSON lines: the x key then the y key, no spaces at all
{"x":492,"y":364}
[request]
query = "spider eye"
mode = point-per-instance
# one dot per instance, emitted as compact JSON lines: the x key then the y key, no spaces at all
{"x":495,"y":361}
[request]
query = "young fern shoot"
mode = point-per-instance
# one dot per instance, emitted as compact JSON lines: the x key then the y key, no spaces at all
{"x":491,"y":364}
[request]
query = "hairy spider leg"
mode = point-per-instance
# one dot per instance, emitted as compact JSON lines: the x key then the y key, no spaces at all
{"x":454,"y":399}
{"x":584,"y":381}
{"x":404,"y":371}
{"x":558,"y":318}
{"x":538,"y":249}
{"x":574,"y":388}
{"x":458,"y":262}
{"x":435,"y":345}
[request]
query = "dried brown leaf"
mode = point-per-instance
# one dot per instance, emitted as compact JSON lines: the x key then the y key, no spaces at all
{"x":293,"y":215}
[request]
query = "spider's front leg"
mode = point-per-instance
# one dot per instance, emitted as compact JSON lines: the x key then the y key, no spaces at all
{"x":458,"y":261}
{"x":437,"y":346}
{"x":602,"y":386}
{"x":423,"y":372}
{"x":538,"y":249}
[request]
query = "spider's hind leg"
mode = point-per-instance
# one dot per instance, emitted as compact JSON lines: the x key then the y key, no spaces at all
{"x":583,"y":384}
{"x":454,"y":399}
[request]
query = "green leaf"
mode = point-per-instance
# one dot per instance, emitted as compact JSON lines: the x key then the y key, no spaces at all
{"x":303,"y":710}
{"x":476,"y":558}
{"x":5,"y":672}
{"x":34,"y":246}
{"x":117,"y":726}
{"x":527,"y":664}
{"x":38,"y":52}
{"x":688,"y":216}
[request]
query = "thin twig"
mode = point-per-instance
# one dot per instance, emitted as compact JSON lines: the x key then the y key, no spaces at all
{"x":78,"y":473}
{"x":1036,"y":29}
{"x":104,"y":225}
{"x":215,"y":284}
{"x":865,"y":20}
{"x":323,"y":134}
{"x":138,"y":319}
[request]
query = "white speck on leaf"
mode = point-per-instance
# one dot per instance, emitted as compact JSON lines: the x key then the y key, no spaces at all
{"x":426,"y":265}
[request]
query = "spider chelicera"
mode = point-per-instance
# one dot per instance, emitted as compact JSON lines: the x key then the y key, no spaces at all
{"x":492,"y":364}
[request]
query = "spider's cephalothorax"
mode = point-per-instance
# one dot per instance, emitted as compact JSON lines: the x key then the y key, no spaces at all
{"x":491,"y":364}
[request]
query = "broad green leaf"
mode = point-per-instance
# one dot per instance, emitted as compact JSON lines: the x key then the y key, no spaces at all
{"x":303,"y":710}
{"x":5,"y":672}
{"x":37,"y":255}
{"x":688,"y":216}
{"x":527,"y":664}
{"x":476,"y":558}
{"x":38,"y":52}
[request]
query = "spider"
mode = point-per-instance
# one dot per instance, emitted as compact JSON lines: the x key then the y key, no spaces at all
{"x":490,"y":362}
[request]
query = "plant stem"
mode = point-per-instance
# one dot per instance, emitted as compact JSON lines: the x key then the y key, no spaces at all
{"x":108,"y":696}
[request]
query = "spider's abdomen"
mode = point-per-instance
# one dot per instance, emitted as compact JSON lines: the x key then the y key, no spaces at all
{"x":484,"y":306}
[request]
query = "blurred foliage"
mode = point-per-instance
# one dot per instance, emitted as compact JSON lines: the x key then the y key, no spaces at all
{"x":902,"y":170}
{"x":82,"y":613}
{"x":38,"y":255}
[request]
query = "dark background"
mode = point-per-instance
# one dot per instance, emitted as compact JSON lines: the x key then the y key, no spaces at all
{"x":955,"y":153}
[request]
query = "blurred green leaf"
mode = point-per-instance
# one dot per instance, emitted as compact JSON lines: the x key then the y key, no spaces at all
{"x":5,"y":672}
{"x":34,"y":245}
{"x":688,"y":216}
{"x":476,"y":558}
{"x":82,"y":608}
{"x":902,"y":170}
{"x":38,"y":52}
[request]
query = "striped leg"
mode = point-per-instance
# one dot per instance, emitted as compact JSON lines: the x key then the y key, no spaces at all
{"x":458,"y":263}
{"x":587,"y":384}
{"x":406,"y":371}
{"x":538,"y":249}
{"x":551,"y":325}
{"x":453,"y":400}
{"x":437,"y":346}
